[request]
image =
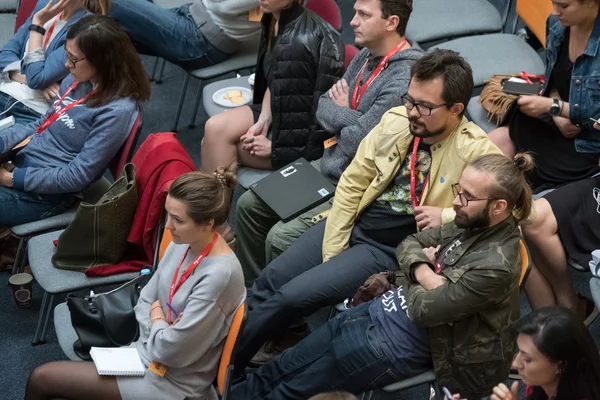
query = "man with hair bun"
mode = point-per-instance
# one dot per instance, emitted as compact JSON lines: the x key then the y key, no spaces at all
{"x":455,"y":305}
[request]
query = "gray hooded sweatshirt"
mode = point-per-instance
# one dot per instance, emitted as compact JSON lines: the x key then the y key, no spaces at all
{"x":351,"y":126}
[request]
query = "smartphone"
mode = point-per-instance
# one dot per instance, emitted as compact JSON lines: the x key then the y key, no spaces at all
{"x":521,"y":88}
{"x":449,"y":395}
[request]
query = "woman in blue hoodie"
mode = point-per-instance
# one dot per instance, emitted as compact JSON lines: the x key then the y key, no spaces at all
{"x":32,"y":63}
{"x":72,"y":144}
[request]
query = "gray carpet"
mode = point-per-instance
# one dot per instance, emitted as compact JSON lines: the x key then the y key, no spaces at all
{"x":19,"y":358}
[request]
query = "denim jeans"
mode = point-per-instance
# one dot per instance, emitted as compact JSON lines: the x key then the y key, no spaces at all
{"x":168,"y":33}
{"x":18,"y":207}
{"x":298,"y":283}
{"x":344,"y":354}
{"x":23,"y":114}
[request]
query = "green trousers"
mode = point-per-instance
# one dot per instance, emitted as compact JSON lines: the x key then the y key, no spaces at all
{"x":262,"y":236}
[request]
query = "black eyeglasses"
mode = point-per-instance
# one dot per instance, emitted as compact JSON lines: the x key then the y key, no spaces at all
{"x":424,"y":110}
{"x":464,"y":201}
{"x":72,"y":60}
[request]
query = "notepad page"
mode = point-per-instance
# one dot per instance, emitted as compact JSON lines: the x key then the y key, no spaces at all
{"x":118,"y":361}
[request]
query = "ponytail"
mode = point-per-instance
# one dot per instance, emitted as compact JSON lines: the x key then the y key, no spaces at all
{"x":510,"y":184}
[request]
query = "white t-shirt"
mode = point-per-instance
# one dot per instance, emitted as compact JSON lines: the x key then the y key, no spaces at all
{"x":33,"y":99}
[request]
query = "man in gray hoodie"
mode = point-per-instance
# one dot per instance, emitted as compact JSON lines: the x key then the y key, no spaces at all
{"x":373,"y":83}
{"x":195,"y":35}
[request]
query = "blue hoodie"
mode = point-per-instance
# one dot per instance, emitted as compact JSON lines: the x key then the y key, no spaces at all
{"x":76,"y":149}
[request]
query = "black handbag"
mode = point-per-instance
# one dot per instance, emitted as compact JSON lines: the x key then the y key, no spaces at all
{"x":106,"y":319}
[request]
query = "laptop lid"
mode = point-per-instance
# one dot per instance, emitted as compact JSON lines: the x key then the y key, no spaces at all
{"x":293,"y":189}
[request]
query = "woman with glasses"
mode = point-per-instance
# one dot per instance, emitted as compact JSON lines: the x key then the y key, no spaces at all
{"x":555,"y":126}
{"x":71,"y":145}
{"x":32,"y":63}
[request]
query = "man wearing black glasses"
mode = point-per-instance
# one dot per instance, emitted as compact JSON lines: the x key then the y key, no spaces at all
{"x":455,"y":306}
{"x":398,"y":182}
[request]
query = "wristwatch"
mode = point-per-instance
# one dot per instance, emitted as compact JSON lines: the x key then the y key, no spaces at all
{"x":37,"y":28}
{"x":555,"y":108}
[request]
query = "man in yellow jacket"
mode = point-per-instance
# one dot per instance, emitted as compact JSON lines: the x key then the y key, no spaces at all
{"x":399,"y":181}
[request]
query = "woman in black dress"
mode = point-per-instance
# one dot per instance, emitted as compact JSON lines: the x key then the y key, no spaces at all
{"x":555,"y":126}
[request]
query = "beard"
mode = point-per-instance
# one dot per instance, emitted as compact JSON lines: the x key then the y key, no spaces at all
{"x":478,"y":221}
{"x":419,"y":129}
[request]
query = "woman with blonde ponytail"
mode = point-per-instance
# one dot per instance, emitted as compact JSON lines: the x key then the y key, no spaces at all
{"x":566,"y":228}
{"x":184,"y":329}
{"x":32,"y":63}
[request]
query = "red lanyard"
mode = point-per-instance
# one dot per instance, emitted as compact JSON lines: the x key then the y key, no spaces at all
{"x":58,"y":112}
{"x":382,"y":64}
{"x":413,"y":178}
{"x":50,"y":31}
{"x":175,"y":285}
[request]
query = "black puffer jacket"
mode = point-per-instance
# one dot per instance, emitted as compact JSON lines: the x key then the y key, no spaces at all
{"x":308,"y":58}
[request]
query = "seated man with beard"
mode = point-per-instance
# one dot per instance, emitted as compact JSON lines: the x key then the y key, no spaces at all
{"x":455,"y":307}
{"x":399,"y":180}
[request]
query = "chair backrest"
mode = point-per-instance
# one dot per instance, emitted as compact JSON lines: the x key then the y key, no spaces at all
{"x":535,"y":13}
{"x":125,"y":154}
{"x":525,"y":262}
{"x":350,"y":52}
{"x":26,"y":7}
{"x":166,"y":240}
{"x":328,"y":10}
{"x":228,"y":355}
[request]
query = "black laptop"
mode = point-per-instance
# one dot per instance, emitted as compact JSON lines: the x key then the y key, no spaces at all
{"x":294,"y":189}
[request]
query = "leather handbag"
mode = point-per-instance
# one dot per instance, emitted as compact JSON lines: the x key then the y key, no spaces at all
{"x":106,"y":319}
{"x":98,"y":233}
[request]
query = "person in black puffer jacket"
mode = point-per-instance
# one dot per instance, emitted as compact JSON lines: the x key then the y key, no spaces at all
{"x":301,"y":56}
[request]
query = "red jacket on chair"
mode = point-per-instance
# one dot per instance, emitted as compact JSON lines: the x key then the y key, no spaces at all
{"x":158,"y":162}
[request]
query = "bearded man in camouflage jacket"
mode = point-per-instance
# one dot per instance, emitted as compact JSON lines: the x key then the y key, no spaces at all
{"x":454,"y":309}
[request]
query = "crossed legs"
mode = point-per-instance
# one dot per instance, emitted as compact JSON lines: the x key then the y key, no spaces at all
{"x":221,"y":143}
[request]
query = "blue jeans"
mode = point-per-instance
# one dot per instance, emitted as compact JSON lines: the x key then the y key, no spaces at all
{"x":344,"y":354}
{"x":18,"y":207}
{"x":168,"y":33}
{"x":23,"y":114}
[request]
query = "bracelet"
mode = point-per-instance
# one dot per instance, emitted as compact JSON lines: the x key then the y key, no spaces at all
{"x":154,"y":308}
{"x":562,"y":104}
{"x":152,"y":320}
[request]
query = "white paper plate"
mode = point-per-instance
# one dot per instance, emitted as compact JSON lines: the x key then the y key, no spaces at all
{"x":218,"y":97}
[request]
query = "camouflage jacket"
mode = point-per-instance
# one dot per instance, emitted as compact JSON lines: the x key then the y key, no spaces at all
{"x":470,"y":318}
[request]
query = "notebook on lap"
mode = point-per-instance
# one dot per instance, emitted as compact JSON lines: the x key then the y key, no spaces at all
{"x":294,"y":189}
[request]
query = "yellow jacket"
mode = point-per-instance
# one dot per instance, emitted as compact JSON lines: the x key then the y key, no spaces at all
{"x":377,"y":162}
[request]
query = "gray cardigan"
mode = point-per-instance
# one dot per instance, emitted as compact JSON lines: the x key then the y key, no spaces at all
{"x":190,"y":349}
{"x":351,"y":126}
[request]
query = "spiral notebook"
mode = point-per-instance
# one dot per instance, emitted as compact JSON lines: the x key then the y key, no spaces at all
{"x":117,"y":361}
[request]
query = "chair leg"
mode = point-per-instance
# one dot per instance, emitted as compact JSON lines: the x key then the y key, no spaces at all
{"x":367,"y":395}
{"x":38,"y":329}
{"x":161,"y":71}
{"x":20,"y":257}
{"x":196,"y":104}
{"x":186,"y":81}
{"x":332,"y":313}
{"x":154,"y":68}
{"x":49,"y":309}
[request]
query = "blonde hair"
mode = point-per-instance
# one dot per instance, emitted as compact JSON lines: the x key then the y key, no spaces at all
{"x":207,"y":196}
{"x":510,"y":184}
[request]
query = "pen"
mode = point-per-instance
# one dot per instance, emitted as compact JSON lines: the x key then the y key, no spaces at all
{"x":172,"y":309}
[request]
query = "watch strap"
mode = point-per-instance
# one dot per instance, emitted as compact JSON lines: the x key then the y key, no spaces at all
{"x":37,"y":28}
{"x":555,"y":108}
